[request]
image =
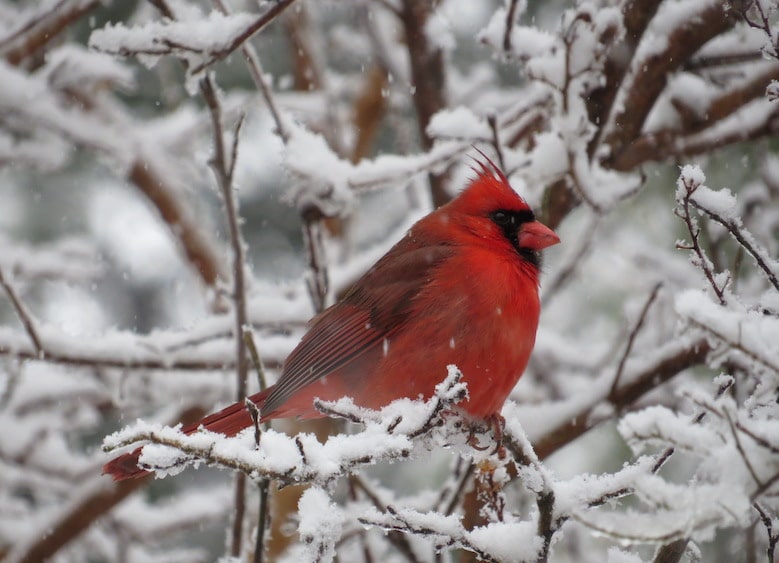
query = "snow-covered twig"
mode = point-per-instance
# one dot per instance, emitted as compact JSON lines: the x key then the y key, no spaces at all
{"x":540,"y":483}
{"x":736,"y":228}
{"x":398,"y":539}
{"x":223,"y":165}
{"x":690,"y":179}
{"x":675,"y":358}
{"x":391,"y":433}
{"x":773,"y":538}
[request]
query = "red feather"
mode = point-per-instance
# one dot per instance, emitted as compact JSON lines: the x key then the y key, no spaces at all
{"x":460,"y":288}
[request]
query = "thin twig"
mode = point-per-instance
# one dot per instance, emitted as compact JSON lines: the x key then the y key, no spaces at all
{"x":632,"y":337}
{"x":24,"y":316}
{"x":397,"y":539}
{"x":493,"y":123}
{"x":263,"y":521}
{"x":766,"y":486}
{"x":738,"y":233}
{"x":223,"y":170}
{"x":772,"y":538}
{"x":455,"y":491}
{"x":741,"y":451}
{"x":273,"y":12}
{"x":259,"y":368}
{"x":575,"y":258}
{"x":317,"y":281}
{"x":366,"y":551}
{"x":703,"y":261}
{"x":511,"y":16}
{"x":255,"y":69}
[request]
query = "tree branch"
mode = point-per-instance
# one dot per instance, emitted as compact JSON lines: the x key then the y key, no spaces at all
{"x":224,"y":167}
{"x":647,"y":379}
{"x":276,"y":9}
{"x":649,"y":75}
{"x":24,"y":316}
{"x":427,"y":79}
{"x":101,"y":496}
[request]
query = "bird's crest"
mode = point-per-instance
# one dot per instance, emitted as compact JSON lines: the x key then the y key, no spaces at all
{"x":490,"y":190}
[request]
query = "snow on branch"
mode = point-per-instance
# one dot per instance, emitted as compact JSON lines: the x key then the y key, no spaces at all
{"x":200,"y":41}
{"x":736,"y":331}
{"x":497,"y":542}
{"x":388,"y":434}
{"x":721,"y":206}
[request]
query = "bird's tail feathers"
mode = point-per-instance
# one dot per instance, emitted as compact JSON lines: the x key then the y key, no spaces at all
{"x":229,"y":421}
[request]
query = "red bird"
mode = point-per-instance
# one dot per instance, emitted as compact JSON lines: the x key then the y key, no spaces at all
{"x":460,"y":288}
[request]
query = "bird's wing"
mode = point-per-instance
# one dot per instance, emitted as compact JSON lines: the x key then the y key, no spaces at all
{"x":372,"y":311}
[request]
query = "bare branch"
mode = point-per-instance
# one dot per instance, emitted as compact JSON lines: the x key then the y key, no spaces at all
{"x":24,"y":315}
{"x":632,"y":336}
{"x":255,"y":69}
{"x":223,"y":170}
{"x":427,"y":77}
{"x":511,"y":18}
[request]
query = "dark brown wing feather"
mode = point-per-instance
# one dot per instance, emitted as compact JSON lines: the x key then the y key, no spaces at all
{"x":373,"y":310}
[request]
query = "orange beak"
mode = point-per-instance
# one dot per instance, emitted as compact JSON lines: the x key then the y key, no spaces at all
{"x":536,"y":236}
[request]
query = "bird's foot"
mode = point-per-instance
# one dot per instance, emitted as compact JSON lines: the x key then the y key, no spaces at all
{"x":495,"y":425}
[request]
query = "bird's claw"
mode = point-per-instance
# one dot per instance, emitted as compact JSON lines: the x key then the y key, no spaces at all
{"x":495,"y":424}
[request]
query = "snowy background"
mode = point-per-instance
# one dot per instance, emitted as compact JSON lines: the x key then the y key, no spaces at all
{"x":178,"y":177}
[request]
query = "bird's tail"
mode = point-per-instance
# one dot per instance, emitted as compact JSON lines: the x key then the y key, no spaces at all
{"x":229,"y":421}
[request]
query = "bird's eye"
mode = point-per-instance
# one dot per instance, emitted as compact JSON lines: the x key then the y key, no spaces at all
{"x":501,"y":218}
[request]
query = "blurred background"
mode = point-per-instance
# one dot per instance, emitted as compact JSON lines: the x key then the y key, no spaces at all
{"x":353,"y":120}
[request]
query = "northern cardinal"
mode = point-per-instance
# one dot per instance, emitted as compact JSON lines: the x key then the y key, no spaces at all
{"x":460,"y":288}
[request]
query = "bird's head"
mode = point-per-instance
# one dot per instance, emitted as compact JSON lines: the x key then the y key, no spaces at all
{"x":490,"y":209}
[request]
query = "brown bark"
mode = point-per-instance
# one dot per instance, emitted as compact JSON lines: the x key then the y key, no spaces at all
{"x":648,"y":81}
{"x":369,"y":110}
{"x":40,"y":33}
{"x":427,"y":80}
{"x":196,"y":248}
